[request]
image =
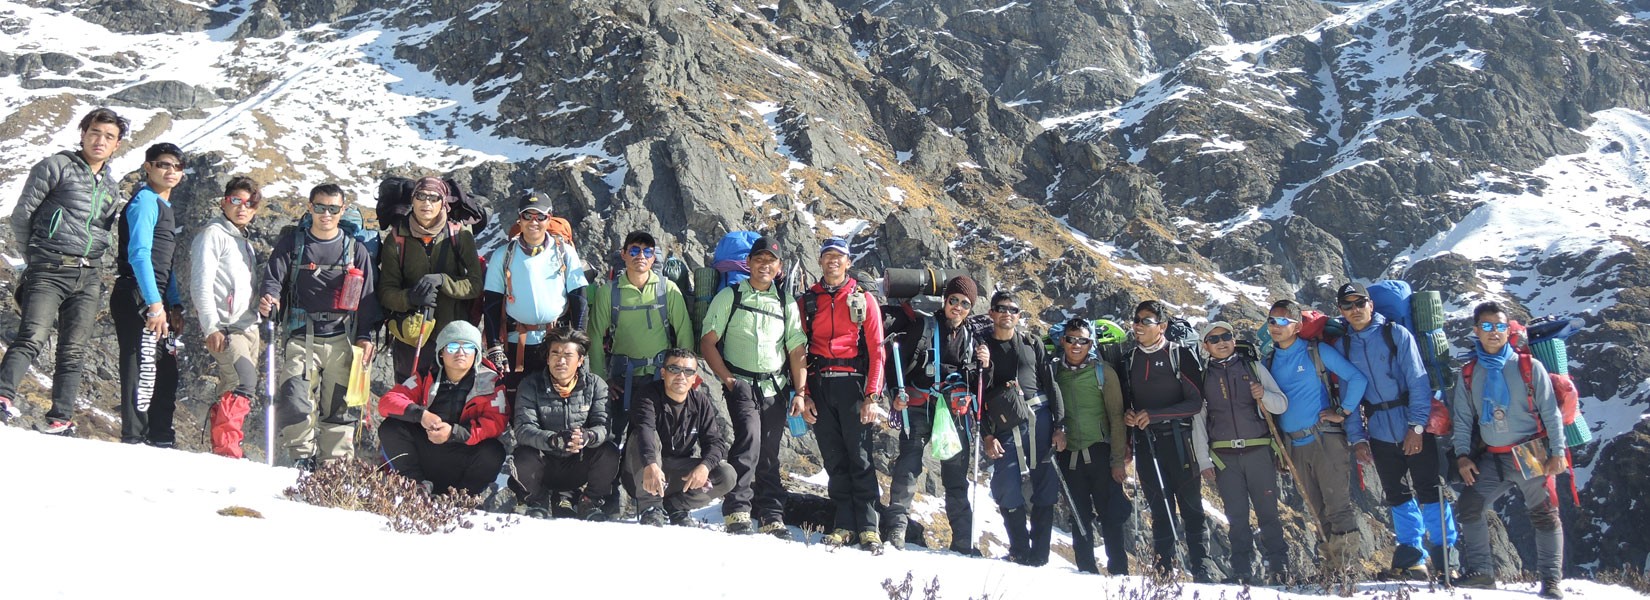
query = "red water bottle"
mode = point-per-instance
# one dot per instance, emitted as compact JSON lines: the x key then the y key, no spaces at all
{"x":349,"y":295}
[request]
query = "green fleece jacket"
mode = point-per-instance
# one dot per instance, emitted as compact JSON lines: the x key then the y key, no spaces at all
{"x":1092,"y":416}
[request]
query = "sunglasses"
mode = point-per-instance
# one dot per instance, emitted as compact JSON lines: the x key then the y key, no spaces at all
{"x":635,"y":251}
{"x":239,"y":201}
{"x":427,"y":198}
{"x":1218,"y":338}
{"x":1148,"y":321}
{"x":464,"y":347}
{"x":1280,"y":321}
{"x":534,"y":216}
{"x":1353,"y":304}
{"x":1495,"y":327}
{"x":166,"y":165}
{"x":1006,"y":309}
{"x":683,"y":371}
{"x":327,"y":209}
{"x":959,"y":301}
{"x":1077,"y":341}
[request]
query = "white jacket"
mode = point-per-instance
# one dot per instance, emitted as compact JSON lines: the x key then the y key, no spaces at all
{"x":220,"y":278}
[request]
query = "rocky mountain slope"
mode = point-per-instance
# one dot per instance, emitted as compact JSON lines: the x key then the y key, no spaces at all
{"x":1214,"y":153}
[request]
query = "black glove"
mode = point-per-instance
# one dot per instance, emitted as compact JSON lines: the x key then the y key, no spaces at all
{"x":423,"y":293}
{"x":557,"y":441}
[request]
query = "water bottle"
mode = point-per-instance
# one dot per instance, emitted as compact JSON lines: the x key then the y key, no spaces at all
{"x":798,"y":426}
{"x":349,"y":294}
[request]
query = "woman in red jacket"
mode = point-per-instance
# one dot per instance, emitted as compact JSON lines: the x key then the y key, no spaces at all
{"x":441,"y":426}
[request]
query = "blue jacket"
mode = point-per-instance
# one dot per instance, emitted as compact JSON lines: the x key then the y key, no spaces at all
{"x":1390,"y":377}
{"x":1297,"y":376}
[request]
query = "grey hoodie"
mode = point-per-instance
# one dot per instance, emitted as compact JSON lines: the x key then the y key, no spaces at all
{"x":221,"y":264}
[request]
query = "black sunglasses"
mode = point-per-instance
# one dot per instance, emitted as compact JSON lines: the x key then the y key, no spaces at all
{"x":534,"y":216}
{"x":1006,"y":309}
{"x":1218,"y":338}
{"x":327,"y":209}
{"x":1078,"y":341}
{"x":675,"y":370}
{"x":1354,"y":304}
{"x":427,"y":197}
{"x":959,"y":301}
{"x":1148,"y":321}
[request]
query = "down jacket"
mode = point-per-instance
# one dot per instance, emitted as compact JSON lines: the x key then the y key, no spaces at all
{"x":544,"y":419}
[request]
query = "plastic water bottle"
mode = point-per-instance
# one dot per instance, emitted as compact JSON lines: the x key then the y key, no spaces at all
{"x":798,"y":426}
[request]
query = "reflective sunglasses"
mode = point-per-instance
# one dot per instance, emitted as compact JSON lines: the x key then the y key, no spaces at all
{"x":959,"y":301}
{"x":635,"y":251}
{"x":1354,"y":304}
{"x":1077,"y":341}
{"x":427,"y":197}
{"x":239,"y":201}
{"x":684,"y":371}
{"x":327,"y":209}
{"x":457,"y":347}
{"x":1148,"y":321}
{"x":1006,"y":309}
{"x":167,"y":165}
{"x":534,"y":216}
{"x":1280,"y":321}
{"x":1218,"y":338}
{"x":1495,"y":327}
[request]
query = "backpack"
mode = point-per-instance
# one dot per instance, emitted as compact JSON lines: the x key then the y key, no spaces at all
{"x":351,"y":227}
{"x":1181,"y":332}
{"x":395,"y":204}
{"x":1422,"y":314}
{"x":658,"y":307}
{"x":1564,"y":392}
{"x":727,"y":267}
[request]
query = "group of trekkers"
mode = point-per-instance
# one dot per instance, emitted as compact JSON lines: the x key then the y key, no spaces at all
{"x":518,"y":362}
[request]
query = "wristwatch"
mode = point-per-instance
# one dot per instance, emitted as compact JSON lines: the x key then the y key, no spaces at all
{"x":1418,"y":429}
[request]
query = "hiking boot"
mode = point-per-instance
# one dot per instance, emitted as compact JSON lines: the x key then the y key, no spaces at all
{"x":591,"y":509}
{"x":654,"y":516}
{"x":163,"y":445}
{"x":1481,"y":581}
{"x":896,"y":537}
{"x":870,"y":541}
{"x":61,"y":427}
{"x":838,"y":538}
{"x":682,"y":518}
{"x":538,"y":512}
{"x":778,"y":529}
{"x":304,"y":465}
{"x":1550,"y":589}
{"x":563,"y":509}
{"x":7,"y":411}
{"x":738,"y":523}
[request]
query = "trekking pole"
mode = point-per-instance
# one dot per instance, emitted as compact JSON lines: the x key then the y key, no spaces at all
{"x":899,"y":380}
{"x":269,"y":389}
{"x":1163,"y":488}
{"x":428,"y":316}
{"x":1444,"y":493}
{"x":1077,"y":518}
{"x":973,"y":483}
{"x":1294,"y":476}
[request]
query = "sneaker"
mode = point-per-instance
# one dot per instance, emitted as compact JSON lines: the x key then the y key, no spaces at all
{"x":59,"y":427}
{"x":654,"y":516}
{"x":1550,"y":589}
{"x":682,"y":518}
{"x":777,"y":529}
{"x":840,"y":537}
{"x":870,"y":541}
{"x":1482,"y":581}
{"x":738,"y":523}
{"x":591,"y":509}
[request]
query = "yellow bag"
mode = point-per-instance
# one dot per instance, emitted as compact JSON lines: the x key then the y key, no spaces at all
{"x":411,"y":329}
{"x":360,"y":384}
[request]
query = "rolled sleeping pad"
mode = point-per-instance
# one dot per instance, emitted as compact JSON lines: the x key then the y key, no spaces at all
{"x":1437,"y":343}
{"x":704,"y":289}
{"x":1427,"y":310}
{"x":1553,"y":328}
{"x":1553,"y":354}
{"x":910,"y":283}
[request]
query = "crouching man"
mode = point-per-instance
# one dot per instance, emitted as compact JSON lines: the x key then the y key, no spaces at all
{"x":677,"y":449}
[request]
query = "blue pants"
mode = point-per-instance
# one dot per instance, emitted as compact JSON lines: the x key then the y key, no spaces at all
{"x":1005,"y":471}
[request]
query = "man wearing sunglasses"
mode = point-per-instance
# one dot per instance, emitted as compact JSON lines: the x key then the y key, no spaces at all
{"x":442,"y":425}
{"x":534,"y":282}
{"x":1162,"y":398}
{"x":222,"y":264}
{"x":1397,"y":406}
{"x":962,"y":362}
{"x":1240,"y":398}
{"x":321,"y":279}
{"x":638,"y":314}
{"x":146,"y":300}
{"x":1512,"y":416}
{"x":563,"y":430}
{"x":61,"y":227}
{"x":843,"y":324}
{"x":1021,"y":430}
{"x":429,"y":268}
{"x":674,"y":461}
{"x":1317,"y":426}
{"x":1097,"y":459}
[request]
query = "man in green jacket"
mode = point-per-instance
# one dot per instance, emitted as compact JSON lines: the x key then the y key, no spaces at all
{"x":1096,"y":458}
{"x":428,"y":267}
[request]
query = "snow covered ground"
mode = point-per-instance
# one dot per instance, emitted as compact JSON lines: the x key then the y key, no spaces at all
{"x":100,"y":520}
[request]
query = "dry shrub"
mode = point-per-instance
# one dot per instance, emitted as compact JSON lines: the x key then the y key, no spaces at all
{"x":355,"y":485}
{"x":905,"y":588}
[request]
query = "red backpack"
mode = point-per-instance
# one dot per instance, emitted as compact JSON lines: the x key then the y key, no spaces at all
{"x":1564,"y":390}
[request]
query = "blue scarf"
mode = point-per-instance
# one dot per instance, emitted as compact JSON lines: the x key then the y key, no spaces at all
{"x":1495,"y":383}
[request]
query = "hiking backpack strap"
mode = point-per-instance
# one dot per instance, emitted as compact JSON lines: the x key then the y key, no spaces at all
{"x":657,"y":307}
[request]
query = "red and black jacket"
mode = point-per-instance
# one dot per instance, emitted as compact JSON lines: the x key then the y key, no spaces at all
{"x":835,"y":342}
{"x":485,"y":415}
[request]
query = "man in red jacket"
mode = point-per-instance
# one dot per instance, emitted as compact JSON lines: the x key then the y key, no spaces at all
{"x":842,"y":399}
{"x":441,"y":426}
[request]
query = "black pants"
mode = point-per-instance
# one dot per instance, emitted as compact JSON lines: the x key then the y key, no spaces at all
{"x":1250,"y":478}
{"x":148,"y":373}
{"x":758,"y":431}
{"x":592,"y":470}
{"x":845,"y":448}
{"x":1179,"y":486}
{"x":1098,"y":498}
{"x":913,"y":445}
{"x":676,"y":468}
{"x":1421,"y":470}
{"x":409,"y":451}
{"x":53,"y":294}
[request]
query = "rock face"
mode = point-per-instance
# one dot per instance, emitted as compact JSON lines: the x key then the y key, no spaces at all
{"x":1089,"y":155}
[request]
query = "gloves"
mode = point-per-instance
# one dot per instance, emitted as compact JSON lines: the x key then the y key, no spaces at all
{"x":423,"y":293}
{"x":498,"y":358}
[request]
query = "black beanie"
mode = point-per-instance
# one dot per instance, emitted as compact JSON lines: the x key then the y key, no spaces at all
{"x":964,"y":285}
